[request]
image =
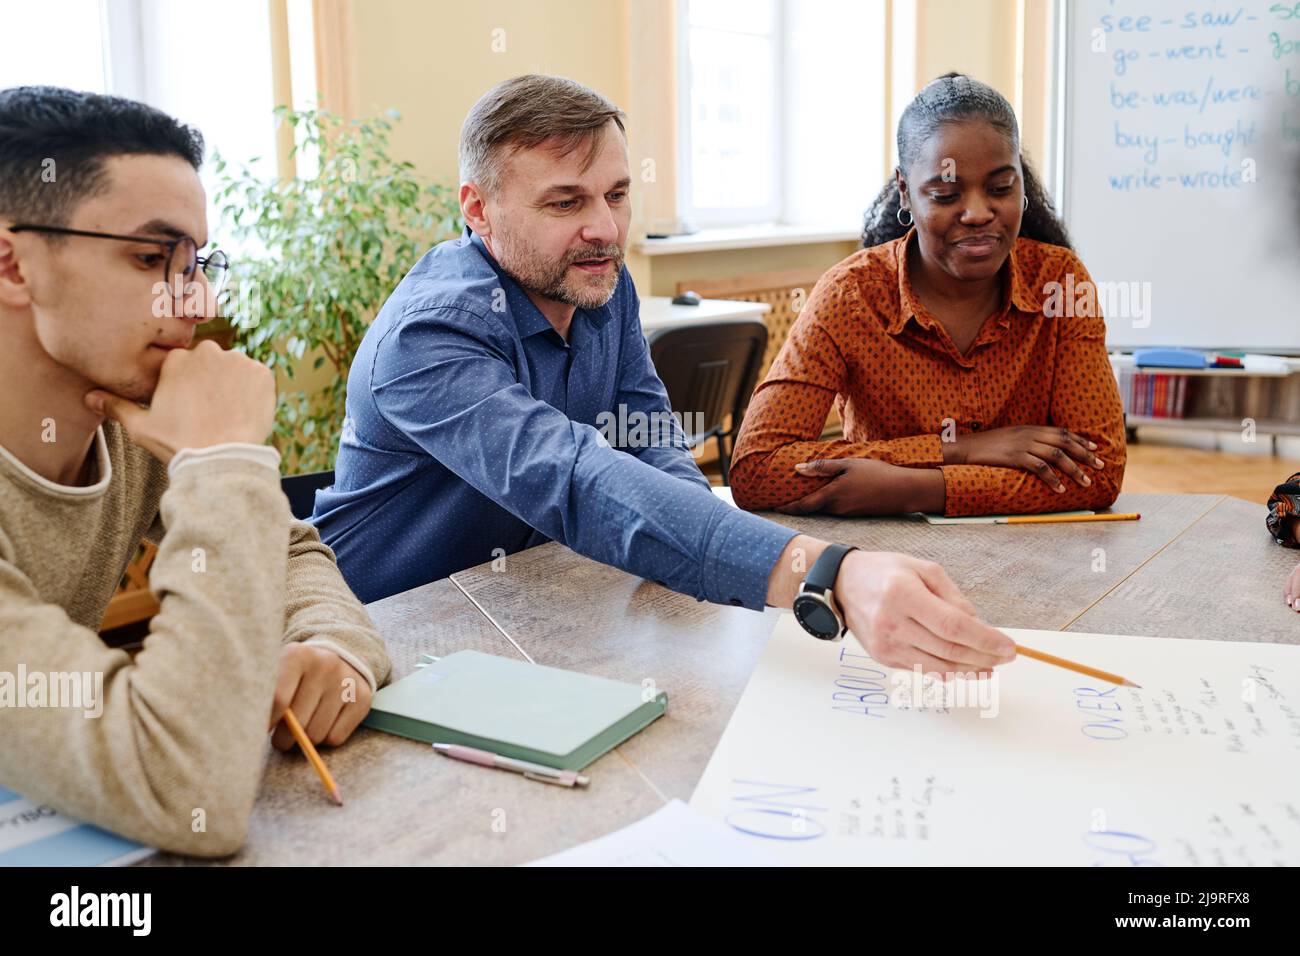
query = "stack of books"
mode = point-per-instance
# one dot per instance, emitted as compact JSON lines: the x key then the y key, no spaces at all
{"x":1153,"y":394}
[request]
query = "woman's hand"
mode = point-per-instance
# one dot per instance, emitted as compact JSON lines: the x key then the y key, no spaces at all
{"x":1042,"y":450}
{"x":1292,"y":589}
{"x":868,"y":486}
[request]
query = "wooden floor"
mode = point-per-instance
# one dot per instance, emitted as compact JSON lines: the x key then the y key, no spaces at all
{"x":1170,"y":468}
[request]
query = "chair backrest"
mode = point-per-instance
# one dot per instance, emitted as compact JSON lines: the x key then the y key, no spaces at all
{"x":710,"y":370}
{"x":301,"y":491}
{"x":134,"y":603}
{"x":785,"y":290}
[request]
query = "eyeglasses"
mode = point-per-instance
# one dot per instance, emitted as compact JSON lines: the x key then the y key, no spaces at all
{"x":215,"y":265}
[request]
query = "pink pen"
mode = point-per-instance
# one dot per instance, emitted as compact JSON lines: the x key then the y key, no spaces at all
{"x":533,"y":771}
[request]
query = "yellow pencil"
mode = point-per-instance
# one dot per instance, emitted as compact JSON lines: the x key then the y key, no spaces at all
{"x":1079,"y":668}
{"x":305,"y":745}
{"x":1054,"y":519}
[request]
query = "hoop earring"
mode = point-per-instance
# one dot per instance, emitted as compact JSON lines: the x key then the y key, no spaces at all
{"x":1025,"y":205}
{"x":899,"y":216}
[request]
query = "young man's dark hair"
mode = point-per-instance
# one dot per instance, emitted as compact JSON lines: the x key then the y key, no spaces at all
{"x":53,"y":143}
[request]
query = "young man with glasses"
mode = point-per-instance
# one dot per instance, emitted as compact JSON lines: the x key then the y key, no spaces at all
{"x":112,"y":429}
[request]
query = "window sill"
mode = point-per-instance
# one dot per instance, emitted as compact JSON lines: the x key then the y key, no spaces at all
{"x":745,"y":237}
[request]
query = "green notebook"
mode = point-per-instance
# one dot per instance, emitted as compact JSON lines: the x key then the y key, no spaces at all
{"x":549,"y":716}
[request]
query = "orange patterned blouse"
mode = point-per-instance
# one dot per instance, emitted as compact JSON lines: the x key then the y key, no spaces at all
{"x":866,"y":342}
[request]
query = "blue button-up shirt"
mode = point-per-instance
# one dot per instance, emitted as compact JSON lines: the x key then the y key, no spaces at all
{"x":474,"y":430}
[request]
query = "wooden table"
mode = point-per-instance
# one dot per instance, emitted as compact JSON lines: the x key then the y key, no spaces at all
{"x":1199,"y":566}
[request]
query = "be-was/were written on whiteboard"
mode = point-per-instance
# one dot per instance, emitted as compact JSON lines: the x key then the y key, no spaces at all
{"x":1180,"y":135}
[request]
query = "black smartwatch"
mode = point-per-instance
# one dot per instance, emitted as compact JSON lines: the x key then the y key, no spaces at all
{"x":814,"y":605}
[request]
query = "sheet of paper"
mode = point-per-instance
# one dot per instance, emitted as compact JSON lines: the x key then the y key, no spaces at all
{"x":830,"y":758}
{"x":35,"y":835}
{"x":674,"y":835}
{"x":985,"y":519}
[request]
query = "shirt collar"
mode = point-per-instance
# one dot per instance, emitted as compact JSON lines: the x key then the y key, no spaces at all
{"x":909,"y":306}
{"x":529,"y":319}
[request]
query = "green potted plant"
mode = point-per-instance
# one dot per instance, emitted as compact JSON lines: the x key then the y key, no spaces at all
{"x":320,"y":256}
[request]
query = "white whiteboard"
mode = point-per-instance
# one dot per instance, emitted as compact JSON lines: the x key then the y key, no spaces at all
{"x":1161,"y":134}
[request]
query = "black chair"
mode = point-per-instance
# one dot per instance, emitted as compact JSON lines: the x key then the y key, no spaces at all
{"x":301,"y":491}
{"x":710,"y":370}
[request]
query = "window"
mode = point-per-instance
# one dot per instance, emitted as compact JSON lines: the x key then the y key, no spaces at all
{"x":213,"y":72}
{"x":34,"y":54}
{"x":781,"y":111}
{"x":730,"y":169}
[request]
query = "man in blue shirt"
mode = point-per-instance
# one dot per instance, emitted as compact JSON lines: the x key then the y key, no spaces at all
{"x":480,"y":400}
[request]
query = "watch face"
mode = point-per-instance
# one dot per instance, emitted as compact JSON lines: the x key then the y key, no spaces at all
{"x":817,"y":619}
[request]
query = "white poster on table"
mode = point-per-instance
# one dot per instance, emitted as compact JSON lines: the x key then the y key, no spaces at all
{"x":830,"y":758}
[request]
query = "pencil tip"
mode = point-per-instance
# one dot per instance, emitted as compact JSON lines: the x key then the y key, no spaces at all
{"x":1129,"y":683}
{"x":337,"y":797}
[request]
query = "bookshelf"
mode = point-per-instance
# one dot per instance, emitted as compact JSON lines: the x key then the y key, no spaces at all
{"x":1211,"y":399}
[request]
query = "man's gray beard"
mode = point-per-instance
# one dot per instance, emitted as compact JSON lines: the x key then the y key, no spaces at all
{"x":586,"y":297}
{"x":554,"y":284}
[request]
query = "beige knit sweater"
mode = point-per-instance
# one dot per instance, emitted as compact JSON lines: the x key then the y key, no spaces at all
{"x":175,"y":758}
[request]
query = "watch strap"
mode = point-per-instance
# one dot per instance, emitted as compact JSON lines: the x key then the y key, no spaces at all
{"x":821,"y":577}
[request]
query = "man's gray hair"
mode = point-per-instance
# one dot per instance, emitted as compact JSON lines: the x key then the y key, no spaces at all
{"x":525,"y":112}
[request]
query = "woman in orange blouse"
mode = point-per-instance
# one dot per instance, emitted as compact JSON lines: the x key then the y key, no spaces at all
{"x":964,"y":346}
